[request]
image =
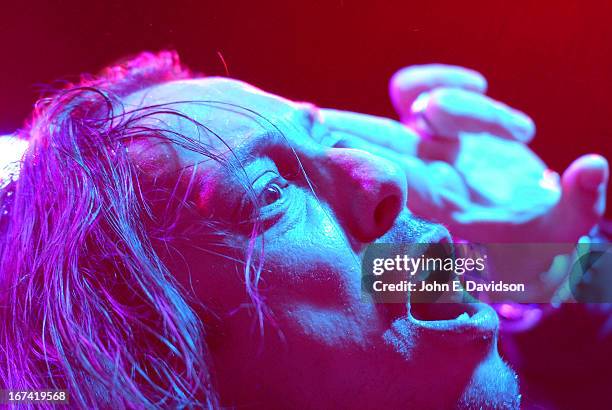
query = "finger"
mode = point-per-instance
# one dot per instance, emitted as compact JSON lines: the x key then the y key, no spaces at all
{"x":408,"y":83}
{"x":434,"y":188}
{"x":447,"y":113}
{"x":583,"y":198}
{"x":384,"y":132}
{"x":379,"y":131}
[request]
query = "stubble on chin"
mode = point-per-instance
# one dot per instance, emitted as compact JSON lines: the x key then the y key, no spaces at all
{"x":494,"y":385}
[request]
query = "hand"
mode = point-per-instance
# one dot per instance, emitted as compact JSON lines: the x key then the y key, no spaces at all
{"x":468,"y":164}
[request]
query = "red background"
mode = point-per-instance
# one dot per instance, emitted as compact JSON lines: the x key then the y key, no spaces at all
{"x":552,"y":59}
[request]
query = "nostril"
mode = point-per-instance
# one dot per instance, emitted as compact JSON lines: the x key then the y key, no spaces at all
{"x":386,"y":211}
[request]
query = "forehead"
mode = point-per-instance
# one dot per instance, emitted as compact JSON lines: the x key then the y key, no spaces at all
{"x":231,"y":108}
{"x":226,"y":118}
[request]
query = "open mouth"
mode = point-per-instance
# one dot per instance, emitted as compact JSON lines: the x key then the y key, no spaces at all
{"x":439,"y":311}
{"x":468,"y":319}
{"x":429,"y":311}
{"x":424,"y":310}
{"x":475,"y":319}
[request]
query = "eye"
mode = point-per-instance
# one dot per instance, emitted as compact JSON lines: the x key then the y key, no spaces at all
{"x":272,"y":193}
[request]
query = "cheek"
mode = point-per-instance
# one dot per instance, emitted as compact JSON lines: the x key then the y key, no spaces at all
{"x":350,"y":327}
{"x":308,"y":259}
{"x":312,"y":266}
{"x":315,"y":296}
{"x":212,"y":275}
{"x":313,"y":283}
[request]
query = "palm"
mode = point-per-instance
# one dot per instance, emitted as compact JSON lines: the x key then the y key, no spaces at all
{"x":493,"y":187}
{"x":469,"y":168}
{"x":505,"y":190}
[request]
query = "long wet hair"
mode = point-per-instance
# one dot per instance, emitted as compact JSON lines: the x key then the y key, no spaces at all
{"x":86,"y":302}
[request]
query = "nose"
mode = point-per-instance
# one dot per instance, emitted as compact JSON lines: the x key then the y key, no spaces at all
{"x":365,"y":191}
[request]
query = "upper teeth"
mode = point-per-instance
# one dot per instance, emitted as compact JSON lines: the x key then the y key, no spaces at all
{"x":463,"y":316}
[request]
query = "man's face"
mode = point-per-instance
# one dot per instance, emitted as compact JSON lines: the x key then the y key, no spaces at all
{"x":321,"y":344}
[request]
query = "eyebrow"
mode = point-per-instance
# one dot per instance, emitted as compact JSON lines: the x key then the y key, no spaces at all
{"x":250,"y":152}
{"x":272,"y":141}
{"x":261,"y":144}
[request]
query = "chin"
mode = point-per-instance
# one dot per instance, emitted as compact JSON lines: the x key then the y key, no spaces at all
{"x":494,"y":385}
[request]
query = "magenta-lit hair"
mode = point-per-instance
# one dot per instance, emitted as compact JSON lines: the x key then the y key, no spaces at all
{"x":86,"y":303}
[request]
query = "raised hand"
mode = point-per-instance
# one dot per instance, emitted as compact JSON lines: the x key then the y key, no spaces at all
{"x":467,"y":161}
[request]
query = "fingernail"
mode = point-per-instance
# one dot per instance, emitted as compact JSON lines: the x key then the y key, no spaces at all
{"x":420,"y":104}
{"x":594,"y":173}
